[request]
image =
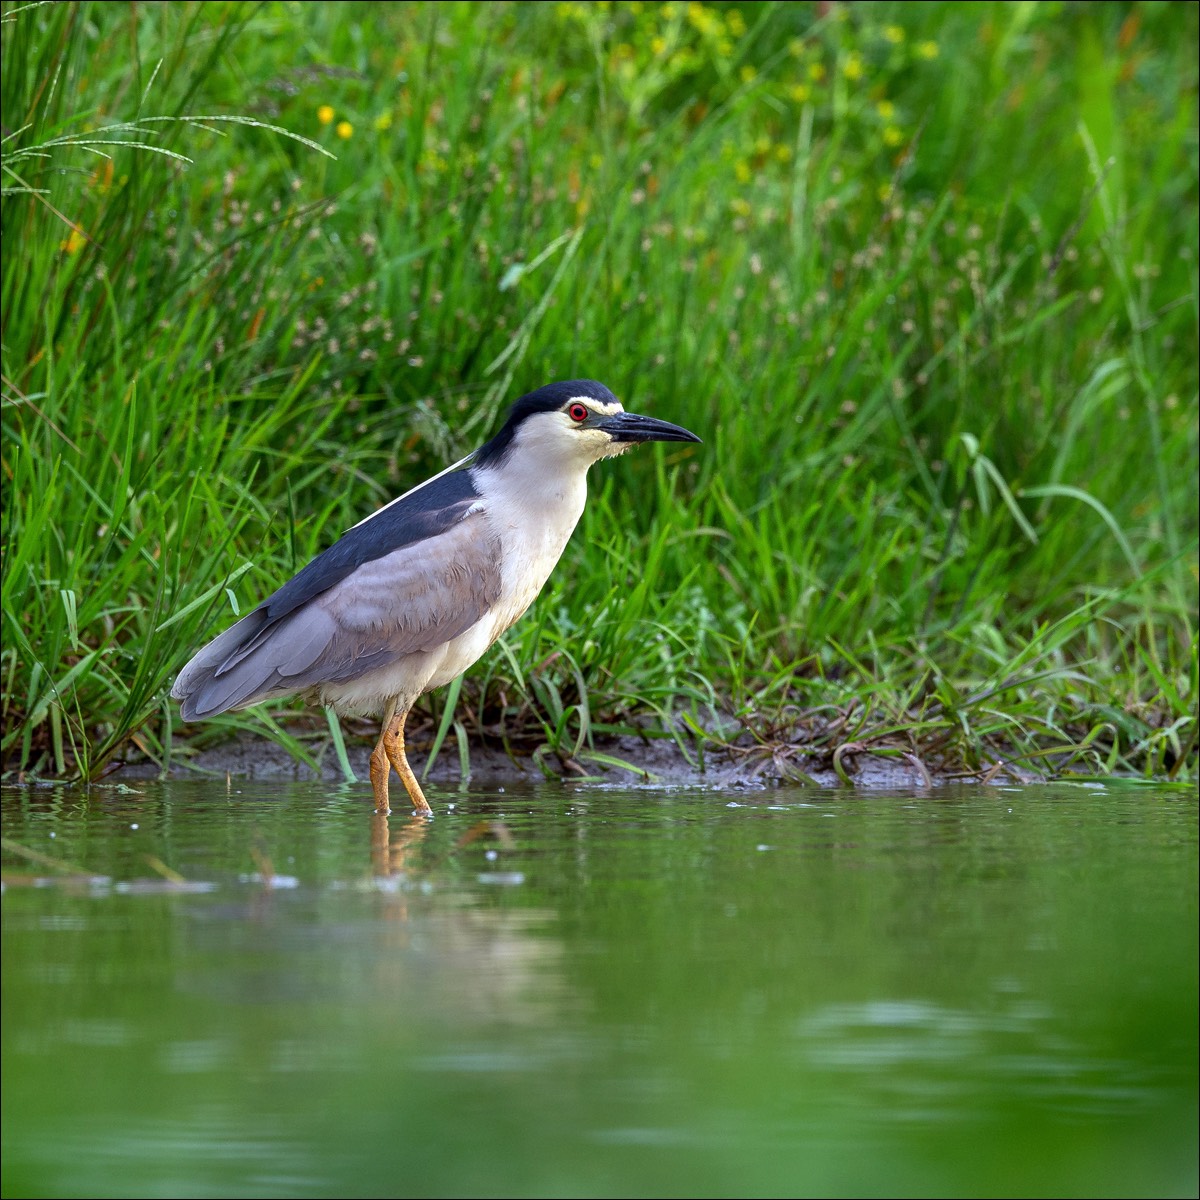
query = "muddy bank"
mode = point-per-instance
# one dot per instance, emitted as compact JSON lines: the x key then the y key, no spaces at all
{"x":658,"y":762}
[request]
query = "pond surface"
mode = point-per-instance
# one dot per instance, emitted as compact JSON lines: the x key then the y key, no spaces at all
{"x":259,"y":989}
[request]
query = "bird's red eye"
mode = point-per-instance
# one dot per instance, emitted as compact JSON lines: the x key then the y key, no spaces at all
{"x":578,"y":412}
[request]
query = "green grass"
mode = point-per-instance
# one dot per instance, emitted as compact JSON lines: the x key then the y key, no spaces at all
{"x":922,"y":276}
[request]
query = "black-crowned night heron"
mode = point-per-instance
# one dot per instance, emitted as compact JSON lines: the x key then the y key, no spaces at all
{"x":410,"y":597}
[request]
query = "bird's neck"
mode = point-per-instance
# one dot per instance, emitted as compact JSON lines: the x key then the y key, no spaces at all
{"x":527,"y":496}
{"x":533,"y":514}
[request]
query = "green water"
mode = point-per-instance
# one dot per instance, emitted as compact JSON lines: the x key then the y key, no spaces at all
{"x":600,"y":992}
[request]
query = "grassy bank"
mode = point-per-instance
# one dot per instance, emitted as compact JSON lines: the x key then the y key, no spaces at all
{"x":922,"y":276}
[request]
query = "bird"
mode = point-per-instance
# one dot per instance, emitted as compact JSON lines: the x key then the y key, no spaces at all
{"x":409,"y":598}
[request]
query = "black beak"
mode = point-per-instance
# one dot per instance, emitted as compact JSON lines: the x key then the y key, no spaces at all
{"x":629,"y":427}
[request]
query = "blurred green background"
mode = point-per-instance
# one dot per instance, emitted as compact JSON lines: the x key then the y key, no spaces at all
{"x":922,"y":276}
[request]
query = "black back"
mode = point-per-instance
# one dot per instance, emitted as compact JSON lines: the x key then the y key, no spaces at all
{"x":427,"y":512}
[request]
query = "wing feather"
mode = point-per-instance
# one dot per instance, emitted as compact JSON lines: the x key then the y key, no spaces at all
{"x":411,"y":600}
{"x":415,"y":576}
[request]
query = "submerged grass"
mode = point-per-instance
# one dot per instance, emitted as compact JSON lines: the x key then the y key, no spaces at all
{"x":922,"y":276}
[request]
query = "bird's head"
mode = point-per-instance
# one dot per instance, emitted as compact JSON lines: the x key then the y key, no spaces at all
{"x":577,"y":422}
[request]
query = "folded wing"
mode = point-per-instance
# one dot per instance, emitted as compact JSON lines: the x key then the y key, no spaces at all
{"x":416,"y":575}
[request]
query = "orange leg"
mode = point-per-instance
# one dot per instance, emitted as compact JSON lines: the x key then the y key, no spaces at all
{"x":389,"y":752}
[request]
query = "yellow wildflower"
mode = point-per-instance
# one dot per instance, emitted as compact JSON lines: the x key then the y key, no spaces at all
{"x":927,"y":49}
{"x":658,"y":45}
{"x":740,"y":206}
{"x":886,"y":109}
{"x":383,"y":121}
{"x":852,"y":68}
{"x":700,"y":18}
{"x":894,"y":34}
{"x":800,"y":92}
{"x":816,"y":71}
{"x":783,"y":152}
{"x":796,"y":47}
{"x":325,"y":114}
{"x":892,"y":136}
{"x":344,"y":129}
{"x":73,"y":242}
{"x":735,"y":23}
{"x":748,"y":73}
{"x":742,"y":170}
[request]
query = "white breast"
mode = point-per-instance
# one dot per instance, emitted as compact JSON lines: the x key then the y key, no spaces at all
{"x":533,"y":513}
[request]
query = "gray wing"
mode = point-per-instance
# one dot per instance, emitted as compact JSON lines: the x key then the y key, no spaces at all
{"x":413,"y":599}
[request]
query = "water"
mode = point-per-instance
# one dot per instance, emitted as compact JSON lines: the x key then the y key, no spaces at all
{"x":262,"y":990}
